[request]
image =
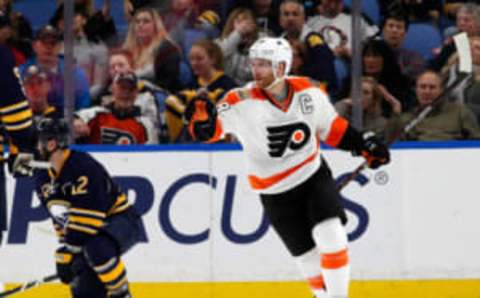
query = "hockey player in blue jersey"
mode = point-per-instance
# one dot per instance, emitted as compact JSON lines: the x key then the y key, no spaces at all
{"x":93,"y":218}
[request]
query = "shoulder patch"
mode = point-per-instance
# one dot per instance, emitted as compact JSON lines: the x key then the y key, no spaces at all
{"x":300,"y":83}
{"x":232,"y":97}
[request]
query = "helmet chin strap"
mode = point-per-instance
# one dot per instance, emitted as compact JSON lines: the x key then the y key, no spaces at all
{"x":276,"y":80}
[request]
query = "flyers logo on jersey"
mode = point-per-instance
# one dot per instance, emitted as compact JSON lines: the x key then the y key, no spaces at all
{"x":117,"y":136}
{"x":291,"y":136}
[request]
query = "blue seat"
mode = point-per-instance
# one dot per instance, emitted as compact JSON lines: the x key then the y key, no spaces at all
{"x":423,"y":38}
{"x":369,"y":7}
{"x":38,"y":12}
{"x":342,"y":71}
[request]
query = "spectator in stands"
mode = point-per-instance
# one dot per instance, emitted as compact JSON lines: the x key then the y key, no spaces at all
{"x":206,"y":59}
{"x":6,"y":6}
{"x":468,"y":21}
{"x":153,"y":51}
{"x":335,"y":27}
{"x":379,"y":63}
{"x":37,"y":87}
{"x":130,"y":7}
{"x":394,"y":29}
{"x":319,"y":63}
{"x":46,"y":47}
{"x":16,"y":33}
{"x":150,"y":98}
{"x":447,"y":121}
{"x":265,"y":14}
{"x":120,"y":122}
{"x":237,"y":36}
{"x":451,"y":7}
{"x":183,"y":15}
{"x":372,"y":98}
{"x":6,"y":34}
{"x":468,"y":92}
{"x":91,"y":54}
{"x":415,"y":10}
{"x":99,"y":25}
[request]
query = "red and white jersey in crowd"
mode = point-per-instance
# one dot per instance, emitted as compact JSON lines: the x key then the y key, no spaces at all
{"x":108,"y":128}
{"x":281,"y":144}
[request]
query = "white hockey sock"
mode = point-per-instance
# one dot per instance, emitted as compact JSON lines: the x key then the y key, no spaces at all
{"x":331,"y":239}
{"x":308,"y":264}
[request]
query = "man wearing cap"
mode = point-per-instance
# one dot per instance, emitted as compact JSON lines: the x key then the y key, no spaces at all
{"x":37,"y":86}
{"x":46,"y":46}
{"x":120,"y":122}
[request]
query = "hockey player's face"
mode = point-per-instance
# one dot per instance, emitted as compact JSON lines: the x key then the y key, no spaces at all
{"x":45,"y":148}
{"x":262,"y":72}
{"x":428,"y":87}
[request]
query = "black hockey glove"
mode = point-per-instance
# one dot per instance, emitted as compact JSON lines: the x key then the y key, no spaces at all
{"x":201,"y":117}
{"x":69,"y":265}
{"x":374,"y":150}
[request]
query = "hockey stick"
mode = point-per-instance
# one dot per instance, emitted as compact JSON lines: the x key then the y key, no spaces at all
{"x":465,"y":69}
{"x":29,"y":285}
{"x":42,"y":165}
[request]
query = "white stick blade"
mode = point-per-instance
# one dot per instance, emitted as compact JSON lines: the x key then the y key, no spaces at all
{"x":463,"y":49}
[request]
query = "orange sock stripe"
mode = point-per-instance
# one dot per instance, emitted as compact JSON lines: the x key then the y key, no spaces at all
{"x":335,"y":260}
{"x":316,"y":282}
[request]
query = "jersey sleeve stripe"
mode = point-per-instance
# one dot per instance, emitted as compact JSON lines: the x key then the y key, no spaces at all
{"x":259,"y":183}
{"x":17,"y":117}
{"x":299,"y":83}
{"x":79,"y":228}
{"x":232,"y":98}
{"x":20,"y":105}
{"x":19,"y":126}
{"x":337,"y":130}
{"x":96,"y":223}
{"x":81,"y":211}
{"x":51,"y":202}
{"x":113,"y":274}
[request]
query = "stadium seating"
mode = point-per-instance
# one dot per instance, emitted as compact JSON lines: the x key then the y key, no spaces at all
{"x":423,"y":38}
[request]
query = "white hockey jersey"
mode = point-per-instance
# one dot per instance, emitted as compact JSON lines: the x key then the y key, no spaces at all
{"x":281,"y":144}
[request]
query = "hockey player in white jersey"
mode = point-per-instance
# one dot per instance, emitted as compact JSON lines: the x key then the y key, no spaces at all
{"x":280,"y":121}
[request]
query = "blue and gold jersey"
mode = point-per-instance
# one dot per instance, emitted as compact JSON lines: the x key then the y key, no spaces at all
{"x":80,"y":198}
{"x":15,"y":112}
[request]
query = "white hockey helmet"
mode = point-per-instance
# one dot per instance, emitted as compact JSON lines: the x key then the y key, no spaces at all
{"x":274,"y":49}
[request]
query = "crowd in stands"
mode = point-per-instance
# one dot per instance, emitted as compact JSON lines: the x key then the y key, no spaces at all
{"x":132,"y":86}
